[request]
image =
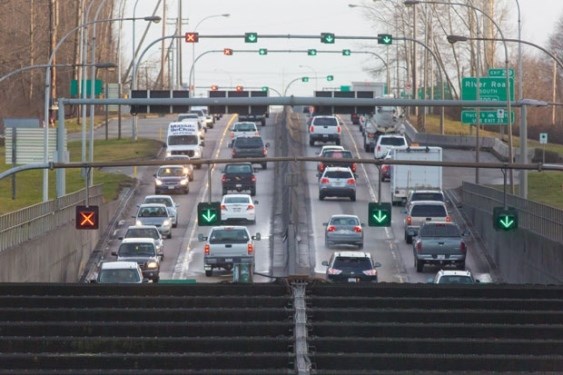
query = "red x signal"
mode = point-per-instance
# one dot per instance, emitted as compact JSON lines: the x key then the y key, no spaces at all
{"x":228,"y":51}
{"x":87,"y":217}
{"x":239,"y":88}
{"x":214,"y":87}
{"x":192,"y":37}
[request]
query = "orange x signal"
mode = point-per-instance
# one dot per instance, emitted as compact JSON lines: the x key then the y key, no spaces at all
{"x":87,"y":217}
{"x":192,"y":37}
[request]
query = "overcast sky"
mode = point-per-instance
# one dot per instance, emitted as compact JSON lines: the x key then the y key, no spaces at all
{"x":304,"y":17}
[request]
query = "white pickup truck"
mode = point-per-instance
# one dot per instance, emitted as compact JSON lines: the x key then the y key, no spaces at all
{"x":226,"y":246}
{"x":324,"y":129}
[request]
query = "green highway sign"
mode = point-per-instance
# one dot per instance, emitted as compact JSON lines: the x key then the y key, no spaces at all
{"x":379,"y":214}
{"x":505,"y":218}
{"x":263,"y":51}
{"x":327,"y":38}
{"x":304,"y":79}
{"x":497,"y":116}
{"x":330,"y":78}
{"x":386,"y":39}
{"x":345,"y":88}
{"x":490,"y":88}
{"x":346,"y":52}
{"x":499,"y":72}
{"x":312,"y":52}
{"x":208,"y":213}
{"x":251,"y":37}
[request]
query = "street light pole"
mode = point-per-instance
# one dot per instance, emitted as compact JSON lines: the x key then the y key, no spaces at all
{"x":315,"y":73}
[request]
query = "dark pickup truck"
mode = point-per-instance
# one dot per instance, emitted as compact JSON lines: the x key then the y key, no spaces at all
{"x":250,"y":147}
{"x":254,"y":118}
{"x":339,"y":158}
{"x":238,"y":177}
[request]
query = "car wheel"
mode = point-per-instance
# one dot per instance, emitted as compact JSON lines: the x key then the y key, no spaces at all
{"x":208,"y":273}
{"x":175,"y":225}
{"x":366,"y":148}
{"x":382,"y":179}
{"x":198,"y":166}
{"x":252,"y":192}
{"x":263,"y":122}
{"x":328,"y":244}
{"x":311,"y":142}
{"x":156,"y":279}
{"x":169,"y":235}
{"x":419,"y":265}
{"x":191,"y":177}
{"x":353,"y":197}
{"x":360,"y":246}
{"x":321,"y":196}
{"x":186,"y":191}
{"x":264,"y":166}
{"x":408,"y":238}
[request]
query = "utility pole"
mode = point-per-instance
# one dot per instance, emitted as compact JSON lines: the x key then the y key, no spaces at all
{"x":53,"y":25}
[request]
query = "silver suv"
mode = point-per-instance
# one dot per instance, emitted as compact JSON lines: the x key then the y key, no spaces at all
{"x":419,"y":212}
{"x":337,"y":182}
{"x":387,"y":142}
{"x":324,"y":129}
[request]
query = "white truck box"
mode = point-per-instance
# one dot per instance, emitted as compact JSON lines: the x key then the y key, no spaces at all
{"x":183,"y":138}
{"x":408,"y":177}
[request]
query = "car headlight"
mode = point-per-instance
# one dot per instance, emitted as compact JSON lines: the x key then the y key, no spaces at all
{"x":186,"y":170}
{"x":166,"y":223}
{"x":138,"y":222}
{"x":157,"y":182}
{"x":197,"y":153}
{"x":184,"y":181}
{"x":168,"y":153}
{"x":152,"y":265}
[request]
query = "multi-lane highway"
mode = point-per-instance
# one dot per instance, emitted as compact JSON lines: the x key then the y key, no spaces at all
{"x":183,"y":251}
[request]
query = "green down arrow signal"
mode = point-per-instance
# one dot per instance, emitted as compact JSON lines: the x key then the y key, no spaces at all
{"x":380,"y":216}
{"x":209,"y":215}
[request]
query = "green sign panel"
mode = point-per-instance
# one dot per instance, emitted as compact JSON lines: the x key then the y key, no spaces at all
{"x":490,"y":88}
{"x":346,"y":52}
{"x":505,"y":218}
{"x":345,"y":88}
{"x":312,"y":52}
{"x":304,"y":79}
{"x":386,"y":39}
{"x":98,"y":88}
{"x":499,"y":72}
{"x":251,"y":37}
{"x":327,"y":38}
{"x":330,"y":78}
{"x":379,"y":214}
{"x":208,"y":213}
{"x":497,"y":116}
{"x":263,"y":51}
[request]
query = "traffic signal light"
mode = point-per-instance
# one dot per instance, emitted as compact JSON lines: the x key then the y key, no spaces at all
{"x":379,"y":214}
{"x":250,"y":37}
{"x":192,"y":37}
{"x":312,"y":52}
{"x":265,"y":88}
{"x":214,"y":87}
{"x":227,"y":51}
{"x":386,"y":39}
{"x":239,"y":88}
{"x":263,"y":51}
{"x":327,"y":38}
{"x":346,"y":52}
{"x":304,"y":79}
{"x":208,"y":213}
{"x":87,"y":217}
{"x":505,"y":218}
{"x":330,"y":78}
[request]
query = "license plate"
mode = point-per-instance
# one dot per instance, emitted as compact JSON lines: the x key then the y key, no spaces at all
{"x":325,"y":135}
{"x":170,"y":187}
{"x":441,"y":257}
{"x":228,"y":259}
{"x":236,"y":209}
{"x":238,"y":185}
{"x":352,"y":280}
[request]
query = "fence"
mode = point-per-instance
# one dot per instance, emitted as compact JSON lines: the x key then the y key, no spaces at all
{"x":34,"y":221}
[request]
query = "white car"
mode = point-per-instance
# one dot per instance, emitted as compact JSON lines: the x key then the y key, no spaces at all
{"x":238,"y":207}
{"x":330,"y":147}
{"x":155,"y":214}
{"x":145,"y":231}
{"x":244,"y":129}
{"x":170,"y":204}
{"x":119,"y":272}
{"x":386,"y":142}
{"x":193,"y":117}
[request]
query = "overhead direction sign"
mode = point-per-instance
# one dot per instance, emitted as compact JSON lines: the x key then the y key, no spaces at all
{"x":500,"y":72}
{"x":487,"y":117}
{"x":490,"y":88}
{"x":251,"y":37}
{"x":505,"y":218}
{"x":208,"y":213}
{"x":346,"y":52}
{"x":327,"y":38}
{"x":385,"y":39}
{"x":379,"y":214}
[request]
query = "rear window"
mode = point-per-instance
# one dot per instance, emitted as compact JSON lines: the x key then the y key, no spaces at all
{"x":242,"y":200}
{"x":245,"y":127}
{"x":238,"y":169}
{"x":455,"y":280}
{"x":342,"y":263}
{"x":427,"y":197}
{"x":249,"y":142}
{"x":224,"y":236}
{"x":170,"y":172}
{"x":344,"y":221}
{"x":338,"y":174}
{"x":336,"y":154}
{"x":429,"y":210}
{"x":164,"y":201}
{"x":136,"y":249}
{"x":142,"y":233}
{"x":439,"y":230}
{"x":392,"y":141}
{"x":328,"y":121}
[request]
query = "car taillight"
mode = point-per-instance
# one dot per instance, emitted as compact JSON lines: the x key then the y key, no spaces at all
{"x":264,"y":151}
{"x":372,"y":272}
{"x":250,"y":249}
{"x":448,"y":219}
{"x":331,"y":228}
{"x":253,"y":178}
{"x":384,"y":168}
{"x":223,"y":207}
{"x":234,"y":153}
{"x":311,"y":129}
{"x":250,"y":207}
{"x":333,"y":271}
{"x":418,"y":247}
{"x":351,"y":181}
{"x":358,"y":229}
{"x":408,"y":220}
{"x":463,"y":247}
{"x":224,"y":178}
{"x":354,"y":166}
{"x":338,"y":129}
{"x":321,"y":167}
{"x":324,"y":180}
{"x":206,"y":249}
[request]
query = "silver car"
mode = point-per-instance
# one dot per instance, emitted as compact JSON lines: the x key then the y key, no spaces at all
{"x":145,"y":231}
{"x":155,"y":214}
{"x":344,"y":230}
{"x":167,"y":200}
{"x":337,"y":182}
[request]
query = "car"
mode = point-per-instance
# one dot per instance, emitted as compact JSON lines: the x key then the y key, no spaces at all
{"x":337,"y":182}
{"x":119,"y":272}
{"x":420,"y":212}
{"x":171,"y":178}
{"x":186,"y":159}
{"x":330,"y":147}
{"x":167,"y":200}
{"x":425,"y":195}
{"x":238,"y":207}
{"x":209,"y":119}
{"x":145,"y":231}
{"x":202,"y":116}
{"x":238,"y":177}
{"x":386,"y":142}
{"x":454,"y":277}
{"x":344,"y":230}
{"x":244,"y":129}
{"x":144,"y":252}
{"x":340,"y":158}
{"x":261,"y":118}
{"x":439,"y":244}
{"x":386,"y":168}
{"x":155,"y":214}
{"x":351,"y":267}
{"x":324,"y":129}
{"x":250,"y":147}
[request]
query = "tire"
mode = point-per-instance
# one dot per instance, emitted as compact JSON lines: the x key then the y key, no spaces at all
{"x":263,"y":122}
{"x":198,"y":166}
{"x":264,"y":165}
{"x":252,"y":192}
{"x":175,"y":225}
{"x":311,"y":142}
{"x":186,"y":191}
{"x":327,"y":244}
{"x":408,"y":238}
{"x":353,"y":197}
{"x":360,"y":246}
{"x":366,"y":148}
{"x":156,"y":279}
{"x":191,"y":177}
{"x":321,"y":196}
{"x":419,"y":265}
{"x":169,"y":235}
{"x":208,"y":273}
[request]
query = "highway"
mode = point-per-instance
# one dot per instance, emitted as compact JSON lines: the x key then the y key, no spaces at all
{"x":183,"y":252}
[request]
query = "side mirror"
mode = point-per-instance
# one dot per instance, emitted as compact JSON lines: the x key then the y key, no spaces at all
{"x":114,"y":253}
{"x":257,"y":237}
{"x":377,"y":264}
{"x":160,"y":255}
{"x":120,"y":238}
{"x":256,"y":202}
{"x":325,"y":263}
{"x":201,"y":237}
{"x":267,"y":144}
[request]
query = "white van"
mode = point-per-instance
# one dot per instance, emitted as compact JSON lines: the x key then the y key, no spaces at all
{"x":183,"y":139}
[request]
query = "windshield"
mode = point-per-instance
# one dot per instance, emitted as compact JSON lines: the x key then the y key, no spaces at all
{"x":238,"y":169}
{"x":174,"y":140}
{"x":249,"y":142}
{"x":170,"y":172}
{"x":429,"y":211}
{"x":338,"y":174}
{"x":440,"y":230}
{"x":352,"y":263}
{"x":152,"y":212}
{"x":225,"y":236}
{"x":119,"y":276}
{"x":393,"y":141}
{"x":142,"y":233}
{"x":136,"y":249}
{"x":330,"y":121}
{"x":245,"y":127}
{"x":336,"y":154}
{"x":164,"y":201}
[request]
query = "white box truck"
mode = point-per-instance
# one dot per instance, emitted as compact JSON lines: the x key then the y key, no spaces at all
{"x":183,"y":139}
{"x":409,"y":177}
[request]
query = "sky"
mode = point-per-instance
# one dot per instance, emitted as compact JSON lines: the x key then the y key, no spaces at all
{"x":282,"y":71}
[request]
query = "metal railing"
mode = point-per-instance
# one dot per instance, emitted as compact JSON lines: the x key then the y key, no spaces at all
{"x":31,"y":222}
